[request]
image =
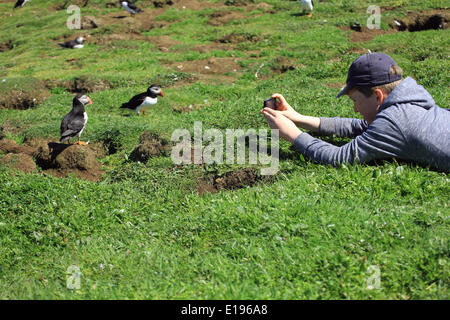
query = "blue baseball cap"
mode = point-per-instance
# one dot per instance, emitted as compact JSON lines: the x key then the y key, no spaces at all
{"x":370,"y":70}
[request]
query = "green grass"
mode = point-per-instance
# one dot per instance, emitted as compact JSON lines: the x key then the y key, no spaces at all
{"x":143,"y":232}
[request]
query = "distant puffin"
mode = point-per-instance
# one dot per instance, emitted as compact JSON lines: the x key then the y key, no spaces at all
{"x":74,"y":122}
{"x":130,"y":6}
{"x":309,"y":5}
{"x":20,"y":3}
{"x":144,"y":100}
{"x":73,"y":44}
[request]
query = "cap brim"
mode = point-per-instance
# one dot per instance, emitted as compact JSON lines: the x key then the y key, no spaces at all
{"x":343,"y":91}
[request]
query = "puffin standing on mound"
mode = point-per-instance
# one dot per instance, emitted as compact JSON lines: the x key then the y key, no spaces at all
{"x":130,"y":6}
{"x":308,"y":4}
{"x":20,"y":3}
{"x":73,"y":44}
{"x":144,"y":100}
{"x":74,"y":122}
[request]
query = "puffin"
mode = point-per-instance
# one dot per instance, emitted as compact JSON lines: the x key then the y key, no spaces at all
{"x":144,"y":100}
{"x":74,"y":122}
{"x":20,"y":3}
{"x":73,"y":44}
{"x":309,"y":5}
{"x":130,"y":6}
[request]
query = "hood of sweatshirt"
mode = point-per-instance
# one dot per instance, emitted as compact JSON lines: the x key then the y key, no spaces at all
{"x":408,"y":92}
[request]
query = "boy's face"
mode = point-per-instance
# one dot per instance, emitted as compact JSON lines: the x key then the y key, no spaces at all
{"x":366,"y":106}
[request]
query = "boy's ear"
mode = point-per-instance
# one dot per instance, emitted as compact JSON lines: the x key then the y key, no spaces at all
{"x":380,"y":95}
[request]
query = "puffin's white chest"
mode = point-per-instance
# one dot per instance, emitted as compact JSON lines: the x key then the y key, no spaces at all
{"x":85,"y":117}
{"x":148,"y":101}
{"x":78,"y":46}
{"x":125,"y":5}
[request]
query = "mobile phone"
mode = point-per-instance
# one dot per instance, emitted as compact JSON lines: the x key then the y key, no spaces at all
{"x":270,"y":103}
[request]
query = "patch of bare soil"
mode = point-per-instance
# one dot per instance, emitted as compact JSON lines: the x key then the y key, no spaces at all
{"x":222,"y":69}
{"x":222,"y":17}
{"x":19,"y":161}
{"x":164,"y":43}
{"x":366,"y":34}
{"x":204,"y":48}
{"x":150,"y":145}
{"x":232,"y":180}
{"x":22,"y":95}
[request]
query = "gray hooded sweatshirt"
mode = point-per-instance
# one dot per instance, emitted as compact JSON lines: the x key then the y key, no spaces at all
{"x":408,"y":126}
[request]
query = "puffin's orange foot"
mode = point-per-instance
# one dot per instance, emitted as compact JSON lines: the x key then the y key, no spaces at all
{"x":310,"y":15}
{"x":81,"y":143}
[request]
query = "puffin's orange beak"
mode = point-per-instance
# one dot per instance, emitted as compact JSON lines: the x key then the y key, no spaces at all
{"x":162,"y":94}
{"x":90,"y":101}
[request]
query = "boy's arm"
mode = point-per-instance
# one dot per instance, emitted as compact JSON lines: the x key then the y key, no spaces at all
{"x":382,"y":140}
{"x":342,"y":127}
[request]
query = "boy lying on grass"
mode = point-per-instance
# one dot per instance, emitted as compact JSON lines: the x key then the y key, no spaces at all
{"x":401,"y":120}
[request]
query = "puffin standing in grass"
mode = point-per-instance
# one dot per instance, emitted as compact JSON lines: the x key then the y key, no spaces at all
{"x":144,"y":100}
{"x":73,"y":44}
{"x":308,"y":4}
{"x":130,"y":6}
{"x":74,"y":122}
{"x":20,"y":3}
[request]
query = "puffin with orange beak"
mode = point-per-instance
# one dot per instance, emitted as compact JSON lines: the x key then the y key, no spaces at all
{"x":74,"y":122}
{"x":73,"y":44}
{"x":144,"y":100}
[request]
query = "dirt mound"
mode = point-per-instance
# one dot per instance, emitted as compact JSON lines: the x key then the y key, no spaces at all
{"x":10,"y":146}
{"x":22,"y":93}
{"x":66,"y":3}
{"x":83,"y":84}
{"x":239,"y":3}
{"x":55,"y":158}
{"x":232,"y":180}
{"x":150,"y":145}
{"x":162,"y":3}
{"x":6,"y":45}
{"x":90,"y":22}
{"x":19,"y":161}
{"x":284,"y":64}
{"x":221,"y":18}
{"x":9,"y":126}
{"x":236,"y":38}
{"x":414,"y":23}
{"x":63,"y":159}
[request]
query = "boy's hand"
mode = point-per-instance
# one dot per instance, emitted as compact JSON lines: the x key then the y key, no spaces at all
{"x":285,"y":109}
{"x":276,"y":120}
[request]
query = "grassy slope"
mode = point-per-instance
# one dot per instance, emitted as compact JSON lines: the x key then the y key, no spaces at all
{"x":144,"y":233}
